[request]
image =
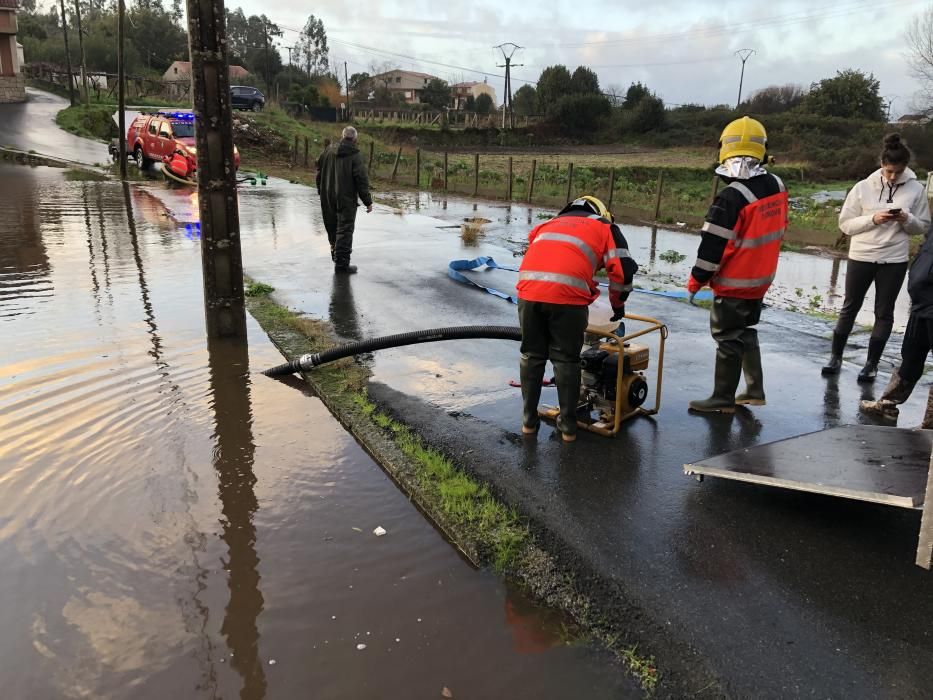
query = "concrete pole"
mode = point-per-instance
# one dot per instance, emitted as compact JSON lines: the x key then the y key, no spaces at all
{"x":221,"y":257}
{"x":71,"y":80}
{"x":121,"y":89}
{"x":87,"y":96}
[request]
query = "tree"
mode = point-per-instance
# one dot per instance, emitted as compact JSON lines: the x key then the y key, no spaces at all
{"x":313,"y":53}
{"x":614,"y":94}
{"x":584,"y":81}
{"x":774,"y":99}
{"x":636,"y":93}
{"x":360,"y":85}
{"x":554,"y":83}
{"x":919,"y":42}
{"x":484,"y":103}
{"x":436,"y":93}
{"x":469,"y":104}
{"x":850,"y":94}
{"x":579,"y":114}
{"x":649,"y":114}
{"x":525,"y":100}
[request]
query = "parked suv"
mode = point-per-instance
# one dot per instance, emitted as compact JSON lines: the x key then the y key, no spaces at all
{"x":245,"y":97}
{"x":158,"y":136}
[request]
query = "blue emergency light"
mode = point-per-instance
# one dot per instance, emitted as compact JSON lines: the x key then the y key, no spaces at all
{"x":181,"y":116}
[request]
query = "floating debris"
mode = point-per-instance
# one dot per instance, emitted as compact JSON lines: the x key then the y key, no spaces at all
{"x":379,"y":531}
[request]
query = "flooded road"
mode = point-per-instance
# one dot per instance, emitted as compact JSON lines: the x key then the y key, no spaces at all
{"x":173,"y":524}
{"x":811,"y":283}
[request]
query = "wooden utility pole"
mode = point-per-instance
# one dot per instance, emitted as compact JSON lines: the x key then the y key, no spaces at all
{"x":221,"y":256}
{"x":87,"y":97}
{"x":121,"y":92}
{"x":346,"y":81}
{"x":265,"y":39}
{"x":71,"y":78}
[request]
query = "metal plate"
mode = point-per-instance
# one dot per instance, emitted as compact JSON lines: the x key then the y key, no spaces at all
{"x":862,"y":462}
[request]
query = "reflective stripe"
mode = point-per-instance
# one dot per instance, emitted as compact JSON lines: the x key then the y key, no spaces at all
{"x":616,"y":287}
{"x":757,"y":139}
{"x":572,"y":240}
{"x":616,"y":253}
{"x":731,"y":139}
{"x":780,"y":183}
{"x":555,"y":277}
{"x":705,"y":265}
{"x":747,"y":193}
{"x":718,"y":230}
{"x":762,"y":240}
{"x":743,"y":284}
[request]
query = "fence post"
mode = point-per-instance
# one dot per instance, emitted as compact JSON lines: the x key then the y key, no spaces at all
{"x":715,"y":188}
{"x":657,"y":201}
{"x":476,"y":174}
{"x":295,"y":151}
{"x":531,"y":183}
{"x":395,"y":167}
{"x":306,"y":151}
{"x":372,"y":152}
{"x":417,"y":168}
{"x":569,"y":180}
{"x":612,"y":187}
{"x":445,"y":171}
{"x":510,"y":179}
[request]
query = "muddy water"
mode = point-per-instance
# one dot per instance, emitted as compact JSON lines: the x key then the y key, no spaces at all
{"x":173,"y":524}
{"x":806,"y":281}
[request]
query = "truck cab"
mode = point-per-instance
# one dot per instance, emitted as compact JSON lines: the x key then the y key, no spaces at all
{"x":156,"y":137}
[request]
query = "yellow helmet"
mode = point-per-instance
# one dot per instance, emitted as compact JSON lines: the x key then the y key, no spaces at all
{"x":743,"y":137}
{"x":589,"y":203}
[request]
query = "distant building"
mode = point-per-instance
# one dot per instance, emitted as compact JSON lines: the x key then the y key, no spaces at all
{"x":405,"y":83}
{"x":459,"y":92}
{"x":913,"y":120}
{"x":178,"y":77}
{"x":12,"y":80}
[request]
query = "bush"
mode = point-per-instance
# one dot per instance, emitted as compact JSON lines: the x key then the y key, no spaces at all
{"x":579,"y":114}
{"x":649,"y":114}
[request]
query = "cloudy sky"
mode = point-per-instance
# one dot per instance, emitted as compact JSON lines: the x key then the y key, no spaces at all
{"x":682,"y":49}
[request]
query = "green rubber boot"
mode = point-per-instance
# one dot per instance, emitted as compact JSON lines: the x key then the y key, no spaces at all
{"x":728,"y":370}
{"x":754,"y":394}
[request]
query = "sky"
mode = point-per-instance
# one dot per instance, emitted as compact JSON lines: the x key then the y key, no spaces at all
{"x":681,"y":49}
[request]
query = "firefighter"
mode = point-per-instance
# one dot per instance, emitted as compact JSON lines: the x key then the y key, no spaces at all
{"x":738,"y":258}
{"x":555,"y":289}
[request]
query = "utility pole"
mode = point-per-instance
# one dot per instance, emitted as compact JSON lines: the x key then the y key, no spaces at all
{"x":221,"y":256}
{"x":744,"y":55}
{"x":508,"y":50}
{"x":346,"y":81}
{"x":121,"y":93}
{"x":265,"y":39}
{"x":87,"y":96}
{"x":289,"y":49}
{"x":71,"y":78}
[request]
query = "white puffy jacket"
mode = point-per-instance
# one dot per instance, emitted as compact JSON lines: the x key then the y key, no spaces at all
{"x":890,"y":242}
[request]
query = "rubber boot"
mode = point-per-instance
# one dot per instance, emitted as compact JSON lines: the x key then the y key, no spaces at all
{"x":728,"y":370}
{"x":835,"y":360}
{"x":345,"y":269}
{"x":531,"y":372}
{"x":754,"y":394}
{"x":870,"y":370}
{"x":567,"y":376}
{"x":927,"y":423}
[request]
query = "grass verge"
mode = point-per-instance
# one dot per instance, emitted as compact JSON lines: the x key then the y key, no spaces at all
{"x":485,"y":529}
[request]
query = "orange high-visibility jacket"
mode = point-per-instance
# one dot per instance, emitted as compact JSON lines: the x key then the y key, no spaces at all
{"x":742,"y":237}
{"x":564,"y":254}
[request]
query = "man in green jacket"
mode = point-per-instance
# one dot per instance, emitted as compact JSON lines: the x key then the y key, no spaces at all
{"x":341,"y":182}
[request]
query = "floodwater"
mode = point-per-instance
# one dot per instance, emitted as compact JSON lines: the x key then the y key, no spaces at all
{"x":806,"y":281}
{"x":173,"y":524}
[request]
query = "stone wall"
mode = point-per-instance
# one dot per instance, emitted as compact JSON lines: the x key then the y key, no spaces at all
{"x":12,"y":88}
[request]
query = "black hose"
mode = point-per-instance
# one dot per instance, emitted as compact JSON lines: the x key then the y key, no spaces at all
{"x":306,"y":362}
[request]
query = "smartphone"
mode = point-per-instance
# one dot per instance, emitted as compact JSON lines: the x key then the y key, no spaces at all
{"x":894,"y":212}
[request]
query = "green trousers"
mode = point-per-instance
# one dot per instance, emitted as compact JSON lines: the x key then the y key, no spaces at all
{"x":551,"y":332}
{"x":732,"y":322}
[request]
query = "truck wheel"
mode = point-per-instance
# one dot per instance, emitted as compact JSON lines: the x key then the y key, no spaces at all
{"x":141,"y":160}
{"x":257,"y":107}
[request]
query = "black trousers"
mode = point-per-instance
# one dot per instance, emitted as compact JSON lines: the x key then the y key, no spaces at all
{"x":551,"y":332}
{"x":887,"y":278}
{"x":343,"y":236}
{"x":918,"y":342}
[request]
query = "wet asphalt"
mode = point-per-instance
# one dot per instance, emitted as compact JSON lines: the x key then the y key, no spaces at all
{"x":774,"y":593}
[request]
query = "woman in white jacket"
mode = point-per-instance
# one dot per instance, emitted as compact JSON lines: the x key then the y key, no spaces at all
{"x":879,"y":215}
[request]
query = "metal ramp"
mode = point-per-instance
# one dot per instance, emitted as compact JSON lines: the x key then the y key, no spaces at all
{"x":891,"y":466}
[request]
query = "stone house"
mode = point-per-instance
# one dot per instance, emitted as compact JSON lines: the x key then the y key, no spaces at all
{"x":408,"y":84}
{"x":459,"y":92}
{"x":177,"y":78}
{"x":12,"y":80}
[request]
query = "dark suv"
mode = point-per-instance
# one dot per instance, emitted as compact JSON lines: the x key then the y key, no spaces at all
{"x":245,"y":97}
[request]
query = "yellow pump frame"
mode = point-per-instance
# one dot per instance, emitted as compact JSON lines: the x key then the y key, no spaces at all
{"x":550,"y":413}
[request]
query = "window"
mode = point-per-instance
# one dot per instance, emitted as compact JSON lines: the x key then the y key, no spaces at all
{"x":176,"y":70}
{"x":165,"y":131}
{"x":153,"y":129}
{"x":398,"y":79}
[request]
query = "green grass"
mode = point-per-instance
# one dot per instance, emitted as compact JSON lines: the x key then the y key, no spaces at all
{"x":76,"y":175}
{"x":258,"y":289}
{"x":92,"y":122}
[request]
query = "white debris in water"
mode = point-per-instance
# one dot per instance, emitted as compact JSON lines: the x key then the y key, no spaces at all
{"x":272,"y":662}
{"x":379,"y":531}
{"x":333,"y":617}
{"x":360,"y":647}
{"x":397,"y":639}
{"x":357,"y":529}
{"x":419,"y":619}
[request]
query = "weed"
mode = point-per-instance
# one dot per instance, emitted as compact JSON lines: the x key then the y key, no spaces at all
{"x":799,"y":292}
{"x":815,"y":301}
{"x":76,"y":175}
{"x":258,"y":289}
{"x":672,"y":256}
{"x":643,"y":667}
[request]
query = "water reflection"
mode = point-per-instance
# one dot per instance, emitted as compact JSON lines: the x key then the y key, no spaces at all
{"x":24,"y":262}
{"x":342,"y":310}
{"x":234,"y":453}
